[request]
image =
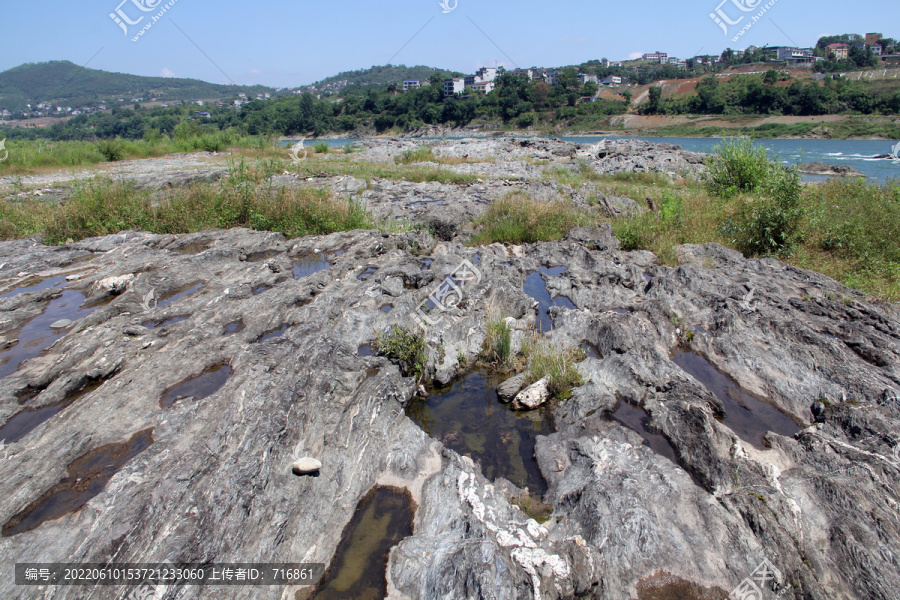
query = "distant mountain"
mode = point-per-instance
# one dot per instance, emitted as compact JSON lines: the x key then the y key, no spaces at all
{"x":382,"y":75}
{"x":62,"y":82}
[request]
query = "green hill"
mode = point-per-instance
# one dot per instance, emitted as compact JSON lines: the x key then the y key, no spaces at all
{"x":384,"y":75}
{"x":62,"y":82}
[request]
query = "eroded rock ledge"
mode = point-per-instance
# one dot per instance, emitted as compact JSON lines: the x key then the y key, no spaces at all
{"x":216,"y":483}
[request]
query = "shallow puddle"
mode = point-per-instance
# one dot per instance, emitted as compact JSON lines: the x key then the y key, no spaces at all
{"x":536,"y":287}
{"x":88,"y":475}
{"x":468,"y":417}
{"x":264,"y":255}
{"x":199,"y":387}
{"x":192,"y":248}
{"x":426,"y":263}
{"x":367,"y":273}
{"x":638,"y":421}
{"x":260,"y":289}
{"x":22,"y":423}
{"x":386,"y":308}
{"x":365,"y":350}
{"x":665,"y":586}
{"x":165,"y":322}
{"x":749,"y":417}
{"x":180,"y":293}
{"x":234,"y":327}
{"x":359,"y":567}
{"x":37,"y":335}
{"x":36,"y":286}
{"x":307,"y":266}
{"x":273,"y":333}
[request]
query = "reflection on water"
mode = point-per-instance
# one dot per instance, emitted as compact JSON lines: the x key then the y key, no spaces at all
{"x":468,"y":418}
{"x":358,"y":570}
{"x":747,"y":416}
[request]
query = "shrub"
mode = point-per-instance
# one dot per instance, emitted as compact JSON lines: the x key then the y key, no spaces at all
{"x":404,"y":346}
{"x":737,"y":165}
{"x":112,"y":150}
{"x":769,"y":223}
{"x":321,"y":147}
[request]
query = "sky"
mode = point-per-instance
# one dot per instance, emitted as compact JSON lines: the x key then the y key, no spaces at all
{"x":288,"y":43}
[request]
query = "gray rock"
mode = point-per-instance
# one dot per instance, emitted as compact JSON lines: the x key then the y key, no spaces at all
{"x":507,"y":390}
{"x":819,"y":168}
{"x":60,"y":324}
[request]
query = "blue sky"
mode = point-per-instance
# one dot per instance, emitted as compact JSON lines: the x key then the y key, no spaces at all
{"x":286,"y":43}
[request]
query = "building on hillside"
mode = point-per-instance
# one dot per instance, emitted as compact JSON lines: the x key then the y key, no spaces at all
{"x":658,"y":57}
{"x":611,"y":80}
{"x":484,"y":87}
{"x":609,"y":63}
{"x":533,"y":74}
{"x":583,"y":78}
{"x":411,"y":84}
{"x":551,"y":76}
{"x":876,"y":49}
{"x":873,"y":38}
{"x":840,"y":51}
{"x":455,"y":86}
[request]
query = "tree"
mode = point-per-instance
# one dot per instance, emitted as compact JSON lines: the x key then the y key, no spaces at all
{"x":655,"y":98}
{"x":589,"y":89}
{"x":771,"y":77}
{"x":627,"y":95}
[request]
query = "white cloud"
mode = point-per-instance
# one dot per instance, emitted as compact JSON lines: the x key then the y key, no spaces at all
{"x":635,"y":55}
{"x":166,"y":73}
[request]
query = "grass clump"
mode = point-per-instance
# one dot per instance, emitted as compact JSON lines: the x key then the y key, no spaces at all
{"x":321,"y":148}
{"x":420,"y":154}
{"x":517,"y":219}
{"x":407,"y":347}
{"x":557,"y":365}
{"x":497,"y":346}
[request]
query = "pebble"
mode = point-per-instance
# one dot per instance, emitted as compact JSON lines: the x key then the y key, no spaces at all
{"x":306,"y":466}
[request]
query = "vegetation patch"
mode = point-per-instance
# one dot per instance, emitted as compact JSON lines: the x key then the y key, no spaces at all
{"x":517,"y":219}
{"x":407,"y":347}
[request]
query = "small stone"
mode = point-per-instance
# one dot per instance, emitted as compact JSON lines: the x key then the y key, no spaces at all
{"x":306,"y":466}
{"x":532,"y":396}
{"x":61,"y":324}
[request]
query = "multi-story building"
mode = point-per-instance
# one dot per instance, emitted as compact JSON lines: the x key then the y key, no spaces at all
{"x":454,"y":86}
{"x":411,"y":84}
{"x":583,"y":78}
{"x":873,"y":38}
{"x":658,"y":57}
{"x":840,"y":51}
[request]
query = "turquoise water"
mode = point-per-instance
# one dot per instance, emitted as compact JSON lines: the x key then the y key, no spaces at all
{"x":859,"y":154}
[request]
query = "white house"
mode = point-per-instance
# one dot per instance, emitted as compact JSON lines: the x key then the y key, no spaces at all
{"x":454,"y":86}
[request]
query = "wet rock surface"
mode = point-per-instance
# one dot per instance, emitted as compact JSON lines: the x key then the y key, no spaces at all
{"x":215,"y":480}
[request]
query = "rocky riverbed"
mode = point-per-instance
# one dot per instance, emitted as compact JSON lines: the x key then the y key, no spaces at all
{"x":160,"y":389}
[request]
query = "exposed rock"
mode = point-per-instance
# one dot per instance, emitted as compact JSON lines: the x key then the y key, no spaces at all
{"x":507,"y":390}
{"x":212,"y":485}
{"x":819,"y":168}
{"x":61,"y":324}
{"x":532,"y":396}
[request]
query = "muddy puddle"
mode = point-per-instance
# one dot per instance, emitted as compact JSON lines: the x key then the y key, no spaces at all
{"x":665,"y":586}
{"x":199,"y":387}
{"x":306,"y":266}
{"x":746,"y":415}
{"x":273,"y":333}
{"x":37,"y":335}
{"x":468,"y":417}
{"x":24,"y":422}
{"x":536,"y":287}
{"x":359,"y":567}
{"x":638,"y":421}
{"x":87,"y":476}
